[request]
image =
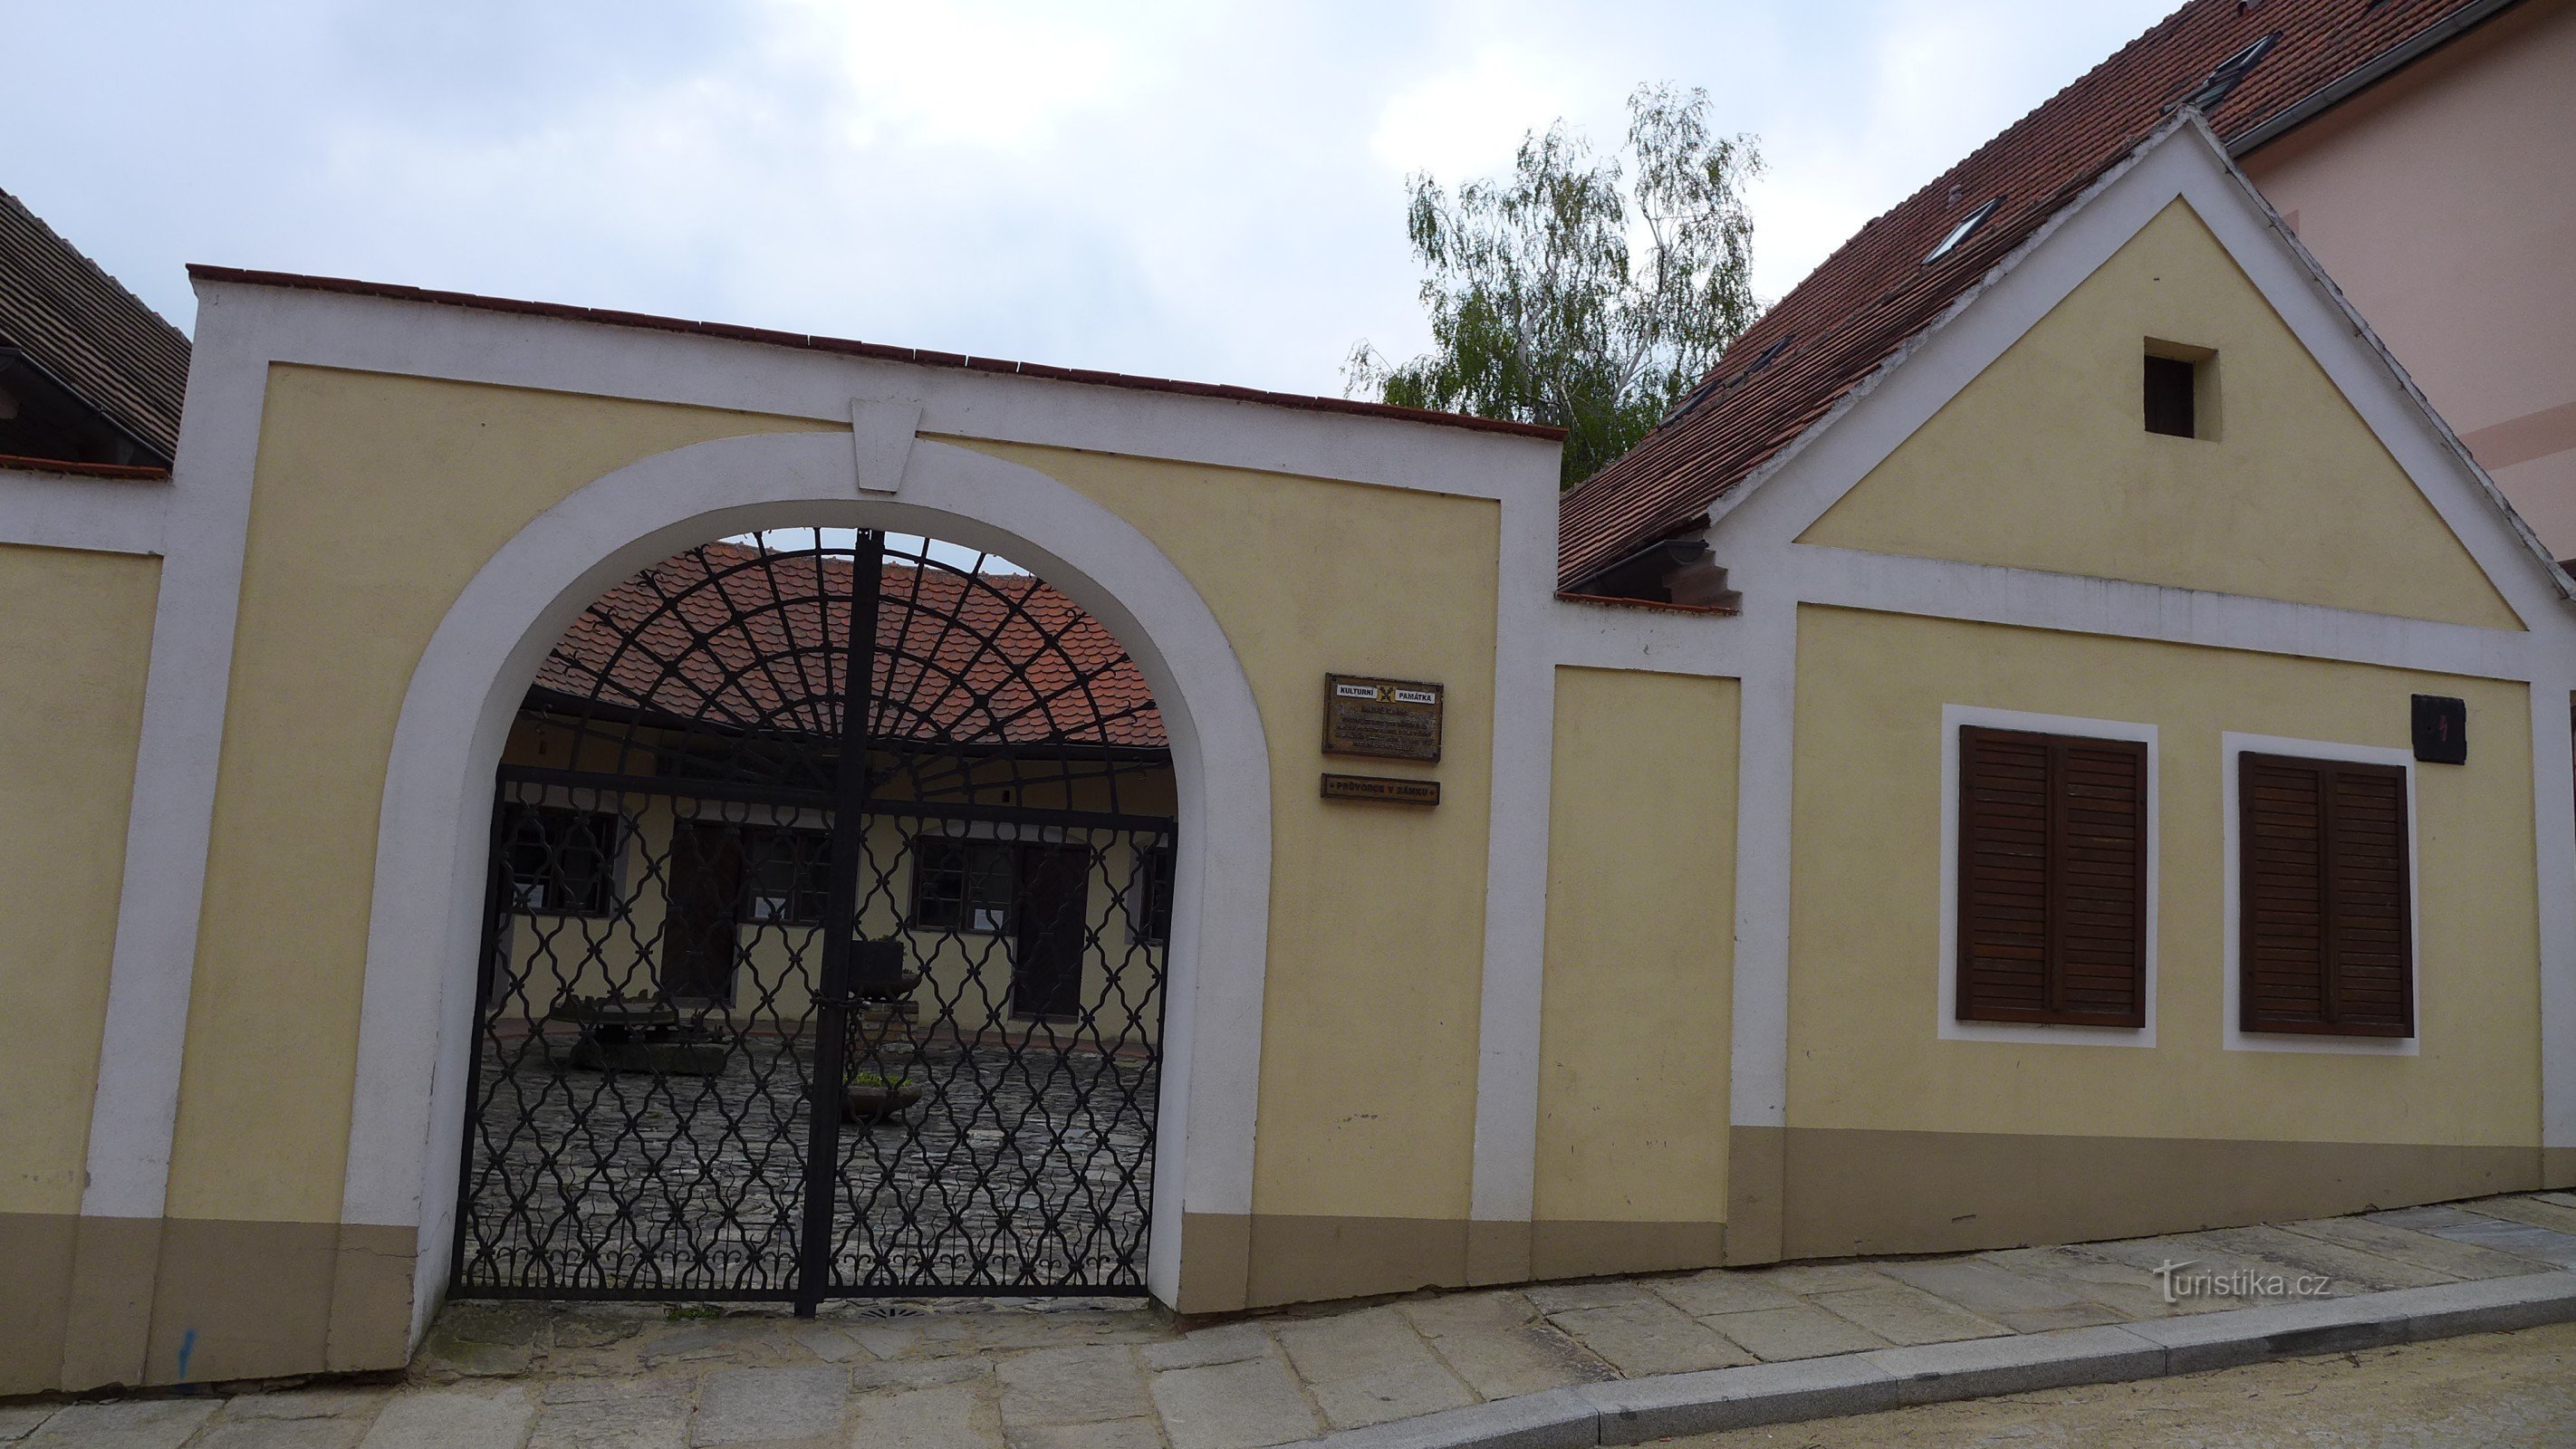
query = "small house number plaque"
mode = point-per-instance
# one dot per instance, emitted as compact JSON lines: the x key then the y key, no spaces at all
{"x":1391,"y":719}
{"x":1383,"y":789}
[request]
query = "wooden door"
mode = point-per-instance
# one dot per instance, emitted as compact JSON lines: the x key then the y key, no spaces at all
{"x":1050,"y":916}
{"x":704,"y":905}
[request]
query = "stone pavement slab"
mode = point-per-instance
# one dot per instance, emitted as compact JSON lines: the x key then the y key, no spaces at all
{"x":17,"y":1421}
{"x":1648,"y":1337}
{"x":461,"y":1418}
{"x":1368,"y":1367}
{"x":1502,"y":1363}
{"x":2460,"y":1260}
{"x":639,"y":1422}
{"x":2539,"y":1246}
{"x":2347,"y":1267}
{"x":307,"y":1404}
{"x":1905,"y":1316}
{"x":944,"y":1417}
{"x":1225,"y":1343}
{"x":1248,"y":1405}
{"x":1109,"y":1434}
{"x":2538,"y":1212}
{"x":1723,"y":1290}
{"x":2018,"y":1301}
{"x":750,"y":1405}
{"x":123,"y":1424}
{"x":1071,"y":1386}
{"x":280,"y":1434}
{"x":1802,"y":1331}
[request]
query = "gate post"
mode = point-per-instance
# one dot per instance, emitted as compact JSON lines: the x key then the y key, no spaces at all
{"x":832,"y":999}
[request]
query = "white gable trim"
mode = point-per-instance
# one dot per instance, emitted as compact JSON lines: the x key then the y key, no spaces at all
{"x":1779,"y":502}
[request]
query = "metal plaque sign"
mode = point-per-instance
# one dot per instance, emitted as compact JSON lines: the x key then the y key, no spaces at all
{"x":1393,"y":719}
{"x":1382,"y":788}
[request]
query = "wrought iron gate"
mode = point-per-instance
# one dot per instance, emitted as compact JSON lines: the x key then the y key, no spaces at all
{"x":824,"y":953}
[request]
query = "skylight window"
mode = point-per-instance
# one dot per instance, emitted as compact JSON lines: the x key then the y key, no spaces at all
{"x":1967,"y":227}
{"x":2223,"y":80}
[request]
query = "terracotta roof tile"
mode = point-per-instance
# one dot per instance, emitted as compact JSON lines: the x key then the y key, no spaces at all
{"x":980,"y":659}
{"x":94,"y":337}
{"x":1873,"y":294}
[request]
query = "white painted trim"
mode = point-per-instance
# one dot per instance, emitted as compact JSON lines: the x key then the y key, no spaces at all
{"x":1946,"y":1018}
{"x":554,"y":354}
{"x":205,"y":532}
{"x":1765,"y":835}
{"x":2236,"y":1038}
{"x":2076,"y":604}
{"x":41,"y":509}
{"x":2553,"y":814}
{"x":416,"y":1028}
{"x":1503,"y":1186}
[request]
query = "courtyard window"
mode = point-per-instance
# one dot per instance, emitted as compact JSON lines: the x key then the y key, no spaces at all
{"x":962,"y":885}
{"x":788,"y":874}
{"x":2052,"y":908}
{"x":2324,"y":898}
{"x":1153,"y":898}
{"x":559,"y":860}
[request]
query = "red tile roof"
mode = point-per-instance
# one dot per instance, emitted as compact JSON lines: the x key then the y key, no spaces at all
{"x":94,"y":337}
{"x":918,"y":356}
{"x":1835,"y":328}
{"x":986,"y":658}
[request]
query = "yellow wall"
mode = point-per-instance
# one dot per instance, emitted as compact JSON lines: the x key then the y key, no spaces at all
{"x":1640,"y":928}
{"x":1377,"y":912}
{"x":2047,"y":453}
{"x":76,"y":630}
{"x":1866,"y":904}
{"x":375,"y":500}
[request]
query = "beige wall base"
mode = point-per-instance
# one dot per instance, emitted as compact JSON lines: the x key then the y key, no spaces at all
{"x":1216,"y":1260}
{"x":1756,"y":1164}
{"x":95,"y":1303}
{"x":1853,"y":1191}
{"x":106,"y":1336}
{"x":1304,"y":1259}
{"x":371,"y":1298}
{"x":36,"y":1252}
{"x":2558,"y":1167}
{"x":241,"y":1300}
{"x":1600,"y":1249}
{"x":1300,"y":1259}
{"x":1499,"y":1252}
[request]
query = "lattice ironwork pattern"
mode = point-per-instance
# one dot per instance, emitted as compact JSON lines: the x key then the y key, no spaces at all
{"x":788,"y":999}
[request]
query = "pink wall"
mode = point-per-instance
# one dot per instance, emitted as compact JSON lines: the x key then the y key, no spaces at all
{"x":2443,"y":202}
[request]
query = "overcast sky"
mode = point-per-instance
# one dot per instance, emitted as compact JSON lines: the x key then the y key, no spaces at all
{"x":1195,"y":189}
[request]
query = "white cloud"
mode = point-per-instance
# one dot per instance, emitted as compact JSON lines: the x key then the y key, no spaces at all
{"x":1197,"y":189}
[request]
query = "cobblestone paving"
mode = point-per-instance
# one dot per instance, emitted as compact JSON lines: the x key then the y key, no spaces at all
{"x":1030,"y":1165}
{"x":1073,"y":1373}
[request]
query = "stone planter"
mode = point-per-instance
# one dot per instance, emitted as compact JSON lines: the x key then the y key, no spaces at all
{"x":872,"y":1104}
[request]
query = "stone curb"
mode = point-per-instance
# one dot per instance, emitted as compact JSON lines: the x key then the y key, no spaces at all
{"x":1633,"y":1411}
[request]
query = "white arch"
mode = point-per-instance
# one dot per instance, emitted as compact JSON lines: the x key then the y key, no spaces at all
{"x":416,"y":1028}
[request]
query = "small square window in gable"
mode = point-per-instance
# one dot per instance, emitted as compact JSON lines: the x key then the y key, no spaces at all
{"x":2181,"y":390}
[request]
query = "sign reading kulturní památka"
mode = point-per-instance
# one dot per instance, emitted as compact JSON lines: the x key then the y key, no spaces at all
{"x":1392,"y":719}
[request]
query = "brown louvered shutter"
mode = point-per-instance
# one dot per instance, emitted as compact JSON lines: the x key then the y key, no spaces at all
{"x":2326,"y":939}
{"x":2052,"y":878}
